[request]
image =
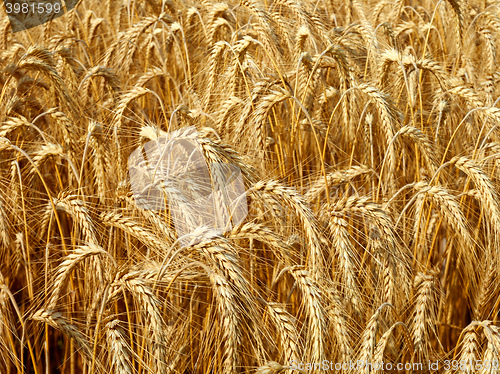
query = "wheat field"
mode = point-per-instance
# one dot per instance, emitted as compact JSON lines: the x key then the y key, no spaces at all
{"x":367,"y":135}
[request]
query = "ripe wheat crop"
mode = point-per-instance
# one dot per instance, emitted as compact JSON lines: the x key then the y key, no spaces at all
{"x":368,"y":140}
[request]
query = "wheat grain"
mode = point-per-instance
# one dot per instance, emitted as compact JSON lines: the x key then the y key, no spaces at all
{"x":425,"y":309}
{"x":70,"y":262}
{"x":317,"y":320}
{"x":57,"y":321}
{"x":118,"y":348}
{"x":286,"y":326}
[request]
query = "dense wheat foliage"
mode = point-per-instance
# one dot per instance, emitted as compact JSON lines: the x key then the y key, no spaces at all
{"x":367,"y":133}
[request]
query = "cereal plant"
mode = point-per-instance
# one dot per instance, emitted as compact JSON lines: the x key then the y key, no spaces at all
{"x":365,"y":138}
